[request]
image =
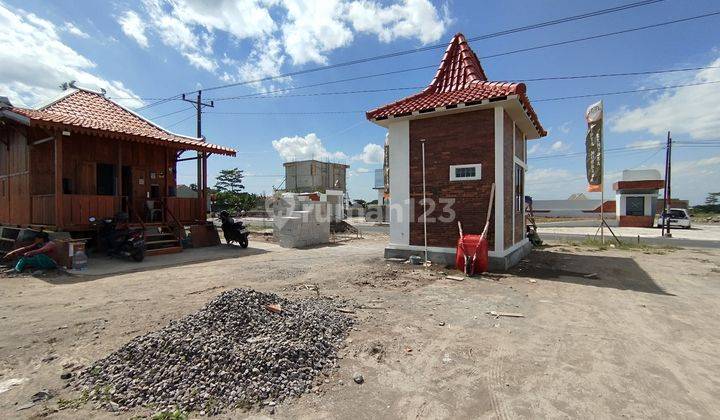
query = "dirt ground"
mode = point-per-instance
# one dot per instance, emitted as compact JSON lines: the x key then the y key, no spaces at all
{"x":604,"y":335}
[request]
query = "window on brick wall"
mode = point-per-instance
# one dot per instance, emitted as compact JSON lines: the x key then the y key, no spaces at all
{"x":465,"y":172}
{"x":519,"y":188}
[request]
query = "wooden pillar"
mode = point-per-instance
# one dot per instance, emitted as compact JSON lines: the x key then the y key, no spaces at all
{"x":204,"y":188}
{"x":166,"y":174}
{"x":118,"y":178}
{"x":58,"y":180}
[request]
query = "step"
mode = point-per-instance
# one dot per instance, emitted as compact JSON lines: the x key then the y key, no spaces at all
{"x":163,"y":251}
{"x":152,"y":237}
{"x":162,"y":241}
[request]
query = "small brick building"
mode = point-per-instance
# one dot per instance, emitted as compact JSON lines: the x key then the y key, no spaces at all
{"x":476,"y":134}
{"x":637,"y":197}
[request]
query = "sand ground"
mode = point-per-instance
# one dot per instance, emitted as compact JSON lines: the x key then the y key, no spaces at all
{"x":606,"y":334}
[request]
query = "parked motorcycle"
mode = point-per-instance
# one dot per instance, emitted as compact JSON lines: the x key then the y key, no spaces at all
{"x":130,"y":244}
{"x":233,"y":231}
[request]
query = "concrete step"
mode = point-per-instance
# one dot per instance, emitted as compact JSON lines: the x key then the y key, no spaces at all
{"x":163,"y":251}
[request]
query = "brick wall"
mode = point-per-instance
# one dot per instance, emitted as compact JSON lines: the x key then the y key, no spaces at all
{"x":457,"y":139}
{"x":636,"y":221}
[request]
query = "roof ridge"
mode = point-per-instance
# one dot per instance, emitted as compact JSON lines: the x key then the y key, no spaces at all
{"x":459,"y":67}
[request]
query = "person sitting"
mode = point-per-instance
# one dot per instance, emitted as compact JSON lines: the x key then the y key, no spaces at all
{"x":39,"y":254}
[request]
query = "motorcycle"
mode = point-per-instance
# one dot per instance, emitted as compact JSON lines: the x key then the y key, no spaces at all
{"x":233,"y":231}
{"x":130,"y":245}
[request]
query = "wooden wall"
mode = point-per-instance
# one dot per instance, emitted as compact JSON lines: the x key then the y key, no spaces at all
{"x":81,"y":154}
{"x":27,"y":176}
{"x":14,"y":176}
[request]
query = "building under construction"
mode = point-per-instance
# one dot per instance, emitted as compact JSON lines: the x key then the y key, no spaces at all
{"x":312,"y":175}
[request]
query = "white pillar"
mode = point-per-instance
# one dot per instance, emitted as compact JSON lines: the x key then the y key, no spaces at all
{"x":499,"y":180}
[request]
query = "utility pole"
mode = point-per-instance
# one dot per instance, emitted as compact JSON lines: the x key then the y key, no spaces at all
{"x":665,"y":217}
{"x":201,"y":156}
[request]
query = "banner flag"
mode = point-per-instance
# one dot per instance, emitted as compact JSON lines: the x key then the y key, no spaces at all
{"x":594,"y":147}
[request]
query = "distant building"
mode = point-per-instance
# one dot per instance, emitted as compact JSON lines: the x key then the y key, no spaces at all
{"x":313,"y":175}
{"x":637,"y":196}
{"x":572,"y":207}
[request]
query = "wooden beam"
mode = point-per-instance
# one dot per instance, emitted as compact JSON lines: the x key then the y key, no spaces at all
{"x":58,"y":180}
{"x":166,"y":173}
{"x":204,"y":187}
{"x":119,"y":177}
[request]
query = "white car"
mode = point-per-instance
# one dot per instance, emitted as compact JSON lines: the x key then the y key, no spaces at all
{"x":678,"y":218}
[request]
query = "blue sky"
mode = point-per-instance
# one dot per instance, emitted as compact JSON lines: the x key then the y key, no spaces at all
{"x":158,"y":48}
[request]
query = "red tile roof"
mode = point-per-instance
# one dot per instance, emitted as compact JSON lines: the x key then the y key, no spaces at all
{"x":460,"y":79}
{"x":89,"y":111}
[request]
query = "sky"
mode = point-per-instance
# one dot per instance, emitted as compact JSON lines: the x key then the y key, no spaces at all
{"x":147,"y":49}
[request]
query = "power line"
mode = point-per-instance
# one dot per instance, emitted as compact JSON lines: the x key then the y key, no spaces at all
{"x":286,"y":113}
{"x":438,"y":46}
{"x":611,"y":150}
{"x":535,"y":100}
{"x":172,"y":113}
{"x":181,"y":121}
{"x":632,"y":73}
{"x":622,"y":92}
{"x":273,"y":94}
{"x":521,"y":50}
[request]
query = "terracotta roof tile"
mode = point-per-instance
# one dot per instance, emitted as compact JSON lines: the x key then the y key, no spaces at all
{"x":460,"y":79}
{"x":93,"y":111}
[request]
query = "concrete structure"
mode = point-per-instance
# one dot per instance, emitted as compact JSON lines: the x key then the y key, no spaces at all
{"x":312,"y":175}
{"x":475,"y":134}
{"x":636,"y":197}
{"x":379,"y":185}
{"x":301,"y":220}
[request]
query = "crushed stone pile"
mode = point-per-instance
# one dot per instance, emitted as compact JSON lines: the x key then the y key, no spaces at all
{"x":242,"y":348}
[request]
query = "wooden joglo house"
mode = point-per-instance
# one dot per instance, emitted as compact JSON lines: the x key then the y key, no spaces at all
{"x":84,"y":155}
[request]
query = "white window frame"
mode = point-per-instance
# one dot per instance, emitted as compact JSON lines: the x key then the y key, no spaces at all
{"x":478,"y":172}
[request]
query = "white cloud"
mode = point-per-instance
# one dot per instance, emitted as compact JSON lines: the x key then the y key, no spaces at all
{"x":685,"y":111}
{"x":241,"y":18}
{"x":313,"y":28}
{"x":362,"y":170}
{"x":296,"y":31}
{"x":303,"y":148}
{"x":134,"y":27}
{"x":559,"y":146}
{"x":372,"y":154}
{"x":407,"y":19}
{"x":74,"y":30}
{"x":35,"y":62}
{"x":643,"y":144}
{"x":265,"y":60}
{"x":541,"y":148}
{"x":565,"y":127}
{"x":200,"y":61}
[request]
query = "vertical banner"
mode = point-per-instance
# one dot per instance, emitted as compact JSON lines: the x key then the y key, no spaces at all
{"x":594,"y":147}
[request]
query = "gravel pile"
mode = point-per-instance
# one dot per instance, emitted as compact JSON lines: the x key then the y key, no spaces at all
{"x":235,"y":352}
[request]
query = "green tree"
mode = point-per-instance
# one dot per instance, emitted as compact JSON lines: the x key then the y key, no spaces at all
{"x":237,"y":202}
{"x":712,"y":198}
{"x":230,"y":180}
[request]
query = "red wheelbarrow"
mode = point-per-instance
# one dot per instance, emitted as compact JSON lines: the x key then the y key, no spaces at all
{"x":472,"y":250}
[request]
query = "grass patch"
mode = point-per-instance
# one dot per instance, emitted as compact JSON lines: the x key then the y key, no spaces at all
{"x":596,"y":244}
{"x":74,"y":403}
{"x":701,"y":216}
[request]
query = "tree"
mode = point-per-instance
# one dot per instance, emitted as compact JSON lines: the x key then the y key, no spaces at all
{"x":712,"y":199}
{"x":238,"y":202}
{"x":230,"y":180}
{"x":193,"y":187}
